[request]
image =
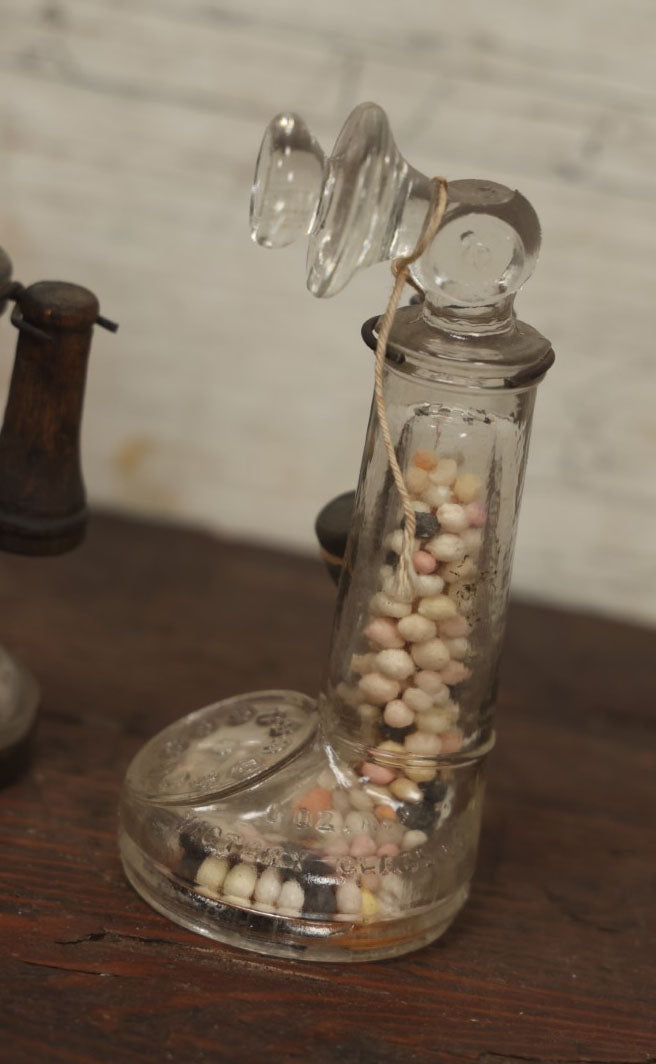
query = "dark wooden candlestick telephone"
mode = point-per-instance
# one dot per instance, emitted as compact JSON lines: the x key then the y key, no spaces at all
{"x":42,"y":499}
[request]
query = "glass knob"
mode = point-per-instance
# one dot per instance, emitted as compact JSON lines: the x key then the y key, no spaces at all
{"x":365,"y":204}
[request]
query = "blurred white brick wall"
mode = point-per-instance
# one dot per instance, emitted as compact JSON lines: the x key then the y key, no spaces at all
{"x":128,"y":132}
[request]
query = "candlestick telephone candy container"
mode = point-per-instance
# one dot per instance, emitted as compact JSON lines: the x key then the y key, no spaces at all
{"x":346,"y":829}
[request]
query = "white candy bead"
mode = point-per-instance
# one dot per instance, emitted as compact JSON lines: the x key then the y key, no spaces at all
{"x":350,"y":695}
{"x":383,"y":632}
{"x":398,"y":715}
{"x":291,"y":898}
{"x":464,"y":570}
{"x":421,"y":507}
{"x":455,"y":672}
{"x":454,"y":627}
{"x":268,"y":887}
{"x":211,"y":874}
{"x":341,"y":801}
{"x":389,"y":831}
{"x":463,"y":595}
{"x":416,"y":480}
{"x":425,"y":744}
{"x":395,"y":663}
{"x":430,"y":655}
{"x":395,"y":541}
{"x":452,"y":517}
{"x":420,"y":775}
{"x":473,"y":540}
{"x":405,"y":790}
{"x":358,"y":822}
{"x":445,"y":473}
{"x":417,"y":699}
{"x":434,"y":721}
{"x":390,"y":585}
{"x":437,"y":495}
{"x":416,"y":629}
{"x":446,"y":547}
{"x":426,"y":585}
{"x":349,"y":899}
{"x":430,"y":682}
{"x":240,"y":882}
{"x":458,"y":648}
{"x":412,"y":839}
{"x":326,"y":778}
{"x":467,"y":487}
{"x":378,"y":689}
{"x":387,"y":606}
{"x":360,"y":800}
{"x":437,"y":608}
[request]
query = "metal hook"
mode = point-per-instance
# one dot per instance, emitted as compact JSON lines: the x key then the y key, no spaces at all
{"x":24,"y":326}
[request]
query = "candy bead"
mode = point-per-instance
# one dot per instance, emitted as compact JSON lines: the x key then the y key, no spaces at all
{"x":378,"y":689}
{"x":368,"y":713}
{"x":326,"y":779}
{"x":388,"y":849}
{"x":350,"y":695}
{"x":420,"y":507}
{"x":427,"y":524}
{"x":378,"y":793}
{"x":349,"y":899}
{"x":369,"y":881}
{"x":390,"y":586}
{"x":458,"y":648}
{"x":417,"y":699}
{"x":363,"y":663}
{"x":437,"y":607}
{"x":359,"y":799}
{"x":416,"y":480}
{"x":445,"y":472}
{"x":427,"y":585}
{"x":463,"y":595}
{"x":430,"y":655}
{"x":341,"y":801}
{"x":398,"y":714}
{"x":384,"y":812}
{"x":446,"y":547}
{"x":424,"y":562}
{"x":378,"y":773}
{"x":316,"y":801}
{"x":370,"y":904}
{"x":268,"y":887}
{"x":417,"y":629}
{"x":382,"y":631}
{"x":476,"y":514}
{"x":389,"y":832}
{"x":395,"y":541}
{"x":405,"y":790}
{"x":211,"y":874}
{"x":454,"y":627}
{"x":336,"y":847}
{"x":437,"y":495}
{"x":434,"y":721}
{"x":413,"y":839}
{"x":240,"y":882}
{"x":360,"y":823}
{"x":390,"y":747}
{"x":452,"y":741}
{"x":452,"y":517}
{"x":395,"y":663}
{"x":420,"y":775}
{"x":363,"y":846}
{"x":292,"y":896}
{"x":423,"y":743}
{"x":467,"y":487}
{"x":473,"y":541}
{"x":424,"y":460}
{"x":462,"y":570}
{"x":428,"y":681}
{"x":455,"y":672}
{"x":385,"y":605}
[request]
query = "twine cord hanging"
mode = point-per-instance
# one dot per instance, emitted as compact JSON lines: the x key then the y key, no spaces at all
{"x":401,"y":271}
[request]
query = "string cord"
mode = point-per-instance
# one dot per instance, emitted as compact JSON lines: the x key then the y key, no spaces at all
{"x":401,"y":271}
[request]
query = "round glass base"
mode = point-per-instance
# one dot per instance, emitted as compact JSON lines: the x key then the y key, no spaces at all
{"x":243,"y":824}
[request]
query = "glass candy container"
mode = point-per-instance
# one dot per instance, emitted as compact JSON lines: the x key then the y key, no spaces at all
{"x":347,"y":829}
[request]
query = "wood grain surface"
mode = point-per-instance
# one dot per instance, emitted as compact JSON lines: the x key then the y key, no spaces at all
{"x":552,"y":960}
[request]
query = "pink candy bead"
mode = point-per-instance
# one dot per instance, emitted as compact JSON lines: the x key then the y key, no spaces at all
{"x":476,"y":514}
{"x":378,"y":773}
{"x":388,"y":850}
{"x":451,"y":741}
{"x":382,"y":631}
{"x":363,"y":846}
{"x":424,"y":562}
{"x":455,"y":672}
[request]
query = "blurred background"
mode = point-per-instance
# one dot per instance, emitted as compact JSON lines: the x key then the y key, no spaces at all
{"x":233,"y":399}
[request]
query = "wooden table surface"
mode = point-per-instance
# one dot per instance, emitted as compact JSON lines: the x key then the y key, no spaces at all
{"x":551,"y":961}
